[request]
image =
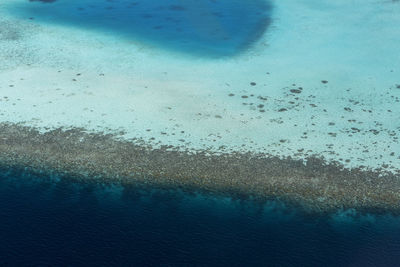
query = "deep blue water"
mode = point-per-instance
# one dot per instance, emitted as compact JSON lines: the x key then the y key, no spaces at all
{"x":58,"y":222}
{"x":211,"y":28}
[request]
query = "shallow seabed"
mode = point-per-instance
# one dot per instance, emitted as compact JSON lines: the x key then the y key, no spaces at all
{"x":320,"y":79}
{"x":307,"y":84}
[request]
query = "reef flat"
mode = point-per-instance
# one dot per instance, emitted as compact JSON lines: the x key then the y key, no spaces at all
{"x":320,"y":80}
{"x":316,"y":185}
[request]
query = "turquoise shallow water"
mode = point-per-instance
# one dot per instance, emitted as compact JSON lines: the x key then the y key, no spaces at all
{"x":324,"y":78}
{"x":52,"y":221}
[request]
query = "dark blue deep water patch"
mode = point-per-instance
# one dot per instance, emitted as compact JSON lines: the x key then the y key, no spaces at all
{"x":212,"y":28}
{"x":58,"y":222}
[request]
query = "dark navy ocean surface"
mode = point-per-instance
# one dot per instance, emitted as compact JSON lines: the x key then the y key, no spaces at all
{"x":60,"y":222}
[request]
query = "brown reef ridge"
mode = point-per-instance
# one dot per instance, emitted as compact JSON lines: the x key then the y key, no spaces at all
{"x":314,"y":184}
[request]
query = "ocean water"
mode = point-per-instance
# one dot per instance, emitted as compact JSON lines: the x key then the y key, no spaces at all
{"x":207,"y":28}
{"x":214,"y":73}
{"x":50,"y":221}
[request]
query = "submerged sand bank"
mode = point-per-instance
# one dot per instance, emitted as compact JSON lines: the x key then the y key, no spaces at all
{"x":316,"y":185}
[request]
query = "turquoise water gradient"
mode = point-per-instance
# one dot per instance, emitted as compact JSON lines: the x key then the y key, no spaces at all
{"x":205,"y":27}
